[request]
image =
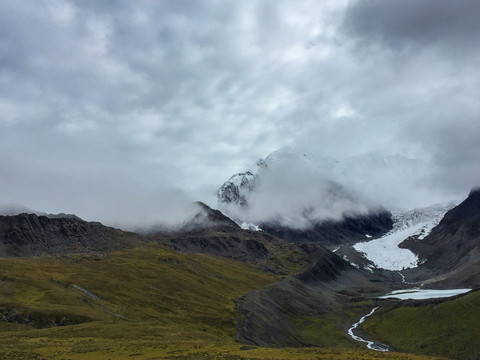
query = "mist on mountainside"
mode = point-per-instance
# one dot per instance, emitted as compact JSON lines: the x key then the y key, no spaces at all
{"x":296,"y":189}
{"x":165,"y":209}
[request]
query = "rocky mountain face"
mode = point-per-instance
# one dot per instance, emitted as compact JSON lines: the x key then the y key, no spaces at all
{"x":33,"y":235}
{"x":451,"y":252}
{"x":330,"y":233}
{"x":208,"y":218}
{"x":236,"y":189}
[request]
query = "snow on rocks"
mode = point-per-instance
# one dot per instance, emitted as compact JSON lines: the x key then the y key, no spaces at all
{"x":251,"y":227}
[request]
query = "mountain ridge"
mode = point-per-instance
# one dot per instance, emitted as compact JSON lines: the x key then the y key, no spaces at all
{"x":451,"y":251}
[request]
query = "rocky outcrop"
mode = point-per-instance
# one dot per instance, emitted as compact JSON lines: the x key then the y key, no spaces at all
{"x":33,"y":235}
{"x":208,"y":218}
{"x":236,"y":189}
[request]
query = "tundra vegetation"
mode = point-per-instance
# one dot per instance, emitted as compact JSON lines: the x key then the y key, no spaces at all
{"x":148,"y":302}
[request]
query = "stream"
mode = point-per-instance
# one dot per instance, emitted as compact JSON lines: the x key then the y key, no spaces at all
{"x":370,"y":344}
{"x":405,"y":294}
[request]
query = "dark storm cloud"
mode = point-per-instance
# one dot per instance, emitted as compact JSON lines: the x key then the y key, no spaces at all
{"x":401,"y":23}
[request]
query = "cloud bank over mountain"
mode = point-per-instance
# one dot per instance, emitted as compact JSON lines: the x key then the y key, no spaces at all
{"x":298,"y":189}
{"x":157,"y":103}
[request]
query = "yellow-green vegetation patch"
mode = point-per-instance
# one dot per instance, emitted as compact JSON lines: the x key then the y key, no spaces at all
{"x":144,"y":303}
{"x":450,"y":328}
{"x":151,"y":293}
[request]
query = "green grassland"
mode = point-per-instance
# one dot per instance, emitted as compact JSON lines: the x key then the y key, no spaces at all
{"x":450,"y":328}
{"x":153,"y":303}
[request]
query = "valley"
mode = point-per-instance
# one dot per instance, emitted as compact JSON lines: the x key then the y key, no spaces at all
{"x":144,"y":303}
{"x":212,"y":290}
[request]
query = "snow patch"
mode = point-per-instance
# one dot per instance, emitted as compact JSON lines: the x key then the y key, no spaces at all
{"x":402,"y":276}
{"x":369,"y":268}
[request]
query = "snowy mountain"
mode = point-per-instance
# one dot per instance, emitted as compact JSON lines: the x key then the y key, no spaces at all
{"x":385,"y":252}
{"x":237,"y":189}
{"x":289,"y":185}
{"x":288,"y":188}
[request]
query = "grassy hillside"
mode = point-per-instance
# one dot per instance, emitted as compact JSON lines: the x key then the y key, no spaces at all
{"x":144,"y":303}
{"x":450,"y":328}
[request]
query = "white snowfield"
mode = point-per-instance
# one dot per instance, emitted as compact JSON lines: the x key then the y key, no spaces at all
{"x":385,"y":253}
{"x":421,"y":294}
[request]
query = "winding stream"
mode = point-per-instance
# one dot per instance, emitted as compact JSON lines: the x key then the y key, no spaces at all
{"x":370,"y":344}
{"x":415,"y":294}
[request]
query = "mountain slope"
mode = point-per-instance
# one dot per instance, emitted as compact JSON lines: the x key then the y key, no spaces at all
{"x":208,"y":218}
{"x":33,"y":235}
{"x":211,"y":232}
{"x":149,"y":303}
{"x":447,"y":328}
{"x":309,"y":309}
{"x":451,"y":253}
{"x":140,"y":299}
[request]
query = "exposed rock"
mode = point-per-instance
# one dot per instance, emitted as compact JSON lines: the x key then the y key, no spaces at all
{"x":33,"y":235}
{"x":208,"y":218}
{"x":347,"y":231}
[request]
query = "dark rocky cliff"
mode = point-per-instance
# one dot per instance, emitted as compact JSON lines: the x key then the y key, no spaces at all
{"x":33,"y":235}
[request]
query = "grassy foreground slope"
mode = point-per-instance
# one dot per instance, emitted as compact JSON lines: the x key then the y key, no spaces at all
{"x":143,"y":303}
{"x":450,"y":328}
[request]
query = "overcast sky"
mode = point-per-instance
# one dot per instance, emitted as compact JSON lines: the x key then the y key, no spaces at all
{"x":130,"y":109}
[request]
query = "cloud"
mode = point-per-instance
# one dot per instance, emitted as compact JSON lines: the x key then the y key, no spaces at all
{"x":417,"y":24}
{"x":294,"y":194}
{"x":297,"y":189}
{"x":155,"y":95}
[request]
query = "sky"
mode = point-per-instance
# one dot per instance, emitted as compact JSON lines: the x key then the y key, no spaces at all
{"x":126,"y":111}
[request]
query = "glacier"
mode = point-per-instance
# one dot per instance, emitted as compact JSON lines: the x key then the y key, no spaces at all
{"x":385,"y":253}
